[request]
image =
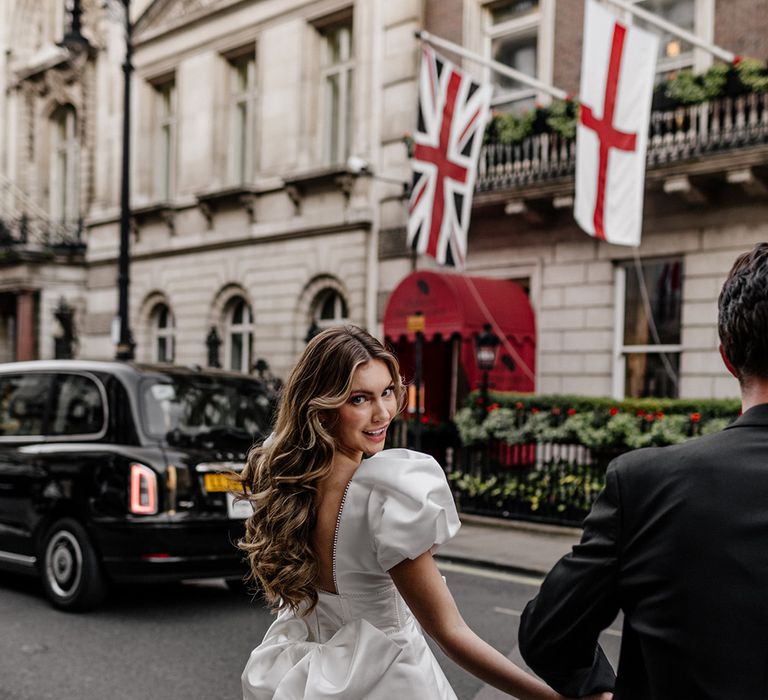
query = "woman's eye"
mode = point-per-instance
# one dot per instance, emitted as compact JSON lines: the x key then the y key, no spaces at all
{"x":356,"y":400}
{"x":389,"y":391}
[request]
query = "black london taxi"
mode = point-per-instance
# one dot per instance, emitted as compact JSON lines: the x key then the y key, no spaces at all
{"x":117,"y":472}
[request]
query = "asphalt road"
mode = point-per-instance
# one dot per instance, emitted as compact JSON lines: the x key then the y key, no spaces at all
{"x":190,"y":641}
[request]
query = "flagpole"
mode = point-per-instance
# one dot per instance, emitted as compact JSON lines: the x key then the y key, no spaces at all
{"x":661,"y":23}
{"x":498,"y":67}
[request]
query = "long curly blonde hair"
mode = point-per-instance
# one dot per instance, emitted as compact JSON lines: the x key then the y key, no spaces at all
{"x":281,"y":477}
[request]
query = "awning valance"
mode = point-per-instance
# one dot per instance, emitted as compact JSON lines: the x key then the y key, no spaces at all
{"x":457,"y":304}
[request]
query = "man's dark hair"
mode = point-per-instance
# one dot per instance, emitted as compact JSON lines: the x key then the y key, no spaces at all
{"x":743,"y":314}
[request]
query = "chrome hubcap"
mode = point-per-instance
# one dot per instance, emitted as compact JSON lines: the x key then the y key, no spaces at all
{"x":63,"y":563}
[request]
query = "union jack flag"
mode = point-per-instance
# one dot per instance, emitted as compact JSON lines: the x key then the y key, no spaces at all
{"x":453,"y":110}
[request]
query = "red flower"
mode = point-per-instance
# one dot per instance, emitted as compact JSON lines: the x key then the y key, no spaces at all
{"x":518,"y":405}
{"x":571,"y":411}
{"x":640,"y":413}
{"x":613,"y":410}
{"x":649,"y":417}
{"x":659,"y":414}
{"x":493,"y":407}
{"x":424,"y":419}
{"x":556,"y":410}
{"x":695,"y":417}
{"x":737,"y":60}
{"x":534,"y":410}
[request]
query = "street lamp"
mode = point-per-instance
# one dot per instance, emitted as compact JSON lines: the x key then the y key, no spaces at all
{"x":125,"y":345}
{"x":73,"y":40}
{"x":77,"y":44}
{"x":486,"y":351}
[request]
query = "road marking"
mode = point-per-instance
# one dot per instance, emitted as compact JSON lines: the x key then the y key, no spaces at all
{"x":489,"y":573}
{"x":517,"y":613}
{"x":508,"y":611}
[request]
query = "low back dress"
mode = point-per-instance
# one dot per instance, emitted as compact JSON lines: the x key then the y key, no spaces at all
{"x":363,"y":643}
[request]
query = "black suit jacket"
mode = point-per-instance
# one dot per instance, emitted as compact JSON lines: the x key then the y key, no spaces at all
{"x":678,"y":541}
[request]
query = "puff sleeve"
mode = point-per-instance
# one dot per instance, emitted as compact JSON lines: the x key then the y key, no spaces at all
{"x":411,"y":507}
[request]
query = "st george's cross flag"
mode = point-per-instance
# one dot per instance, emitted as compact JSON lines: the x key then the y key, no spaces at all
{"x":453,"y":110}
{"x":618,"y":68}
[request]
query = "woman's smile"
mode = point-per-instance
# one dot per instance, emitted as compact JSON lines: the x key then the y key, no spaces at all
{"x":365,"y":416}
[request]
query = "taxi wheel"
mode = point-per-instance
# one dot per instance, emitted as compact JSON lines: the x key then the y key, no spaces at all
{"x":72,"y":577}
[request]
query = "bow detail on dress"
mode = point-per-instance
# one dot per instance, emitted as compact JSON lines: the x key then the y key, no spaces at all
{"x":349,"y":666}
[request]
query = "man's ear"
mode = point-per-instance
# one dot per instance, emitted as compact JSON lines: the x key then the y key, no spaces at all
{"x":729,"y":366}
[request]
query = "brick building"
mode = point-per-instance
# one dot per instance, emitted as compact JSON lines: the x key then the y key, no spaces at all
{"x":706,"y":201}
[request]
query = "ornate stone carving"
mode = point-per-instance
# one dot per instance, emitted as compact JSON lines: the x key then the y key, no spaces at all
{"x":170,"y":12}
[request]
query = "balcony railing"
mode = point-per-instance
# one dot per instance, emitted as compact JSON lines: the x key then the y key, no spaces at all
{"x":716,"y":126}
{"x":36,"y":233}
{"x":24,"y":225}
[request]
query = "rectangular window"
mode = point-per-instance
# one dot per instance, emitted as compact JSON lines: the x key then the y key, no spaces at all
{"x":64,"y":195}
{"x":512,"y":32}
{"x":242,"y":95}
{"x":23,"y":404}
{"x":165,"y":138}
{"x":675,"y":54}
{"x":648,"y":338}
{"x":336,"y":80}
{"x":78,"y":406}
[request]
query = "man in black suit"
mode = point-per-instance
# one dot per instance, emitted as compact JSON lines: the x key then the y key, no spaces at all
{"x":678,"y":541}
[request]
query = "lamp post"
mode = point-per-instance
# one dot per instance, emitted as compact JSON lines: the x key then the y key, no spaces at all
{"x":125,"y":345}
{"x":77,"y":44}
{"x":486,"y":351}
{"x":74,"y":40}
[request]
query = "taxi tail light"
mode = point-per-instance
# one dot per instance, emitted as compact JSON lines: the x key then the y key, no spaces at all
{"x":143,"y":490}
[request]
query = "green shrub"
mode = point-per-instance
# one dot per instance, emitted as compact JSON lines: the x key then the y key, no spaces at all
{"x":595,"y":422}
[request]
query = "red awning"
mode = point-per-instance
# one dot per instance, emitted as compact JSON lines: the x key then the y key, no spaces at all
{"x":453,"y":303}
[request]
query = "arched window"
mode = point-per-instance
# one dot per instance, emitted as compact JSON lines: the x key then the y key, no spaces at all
{"x":239,"y":335}
{"x":65,"y":156}
{"x":329,"y":309}
{"x":163,"y":332}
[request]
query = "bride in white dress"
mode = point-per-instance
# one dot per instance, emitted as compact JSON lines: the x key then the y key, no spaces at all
{"x":342,"y":546}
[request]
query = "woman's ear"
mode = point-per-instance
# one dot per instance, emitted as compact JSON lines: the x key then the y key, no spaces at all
{"x":327,"y":419}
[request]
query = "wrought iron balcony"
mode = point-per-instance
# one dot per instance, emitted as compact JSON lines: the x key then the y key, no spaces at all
{"x":685,"y":133}
{"x":35,"y":233}
{"x":26,"y":228}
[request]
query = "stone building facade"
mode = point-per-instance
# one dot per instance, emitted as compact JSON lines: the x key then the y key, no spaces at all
{"x":259,"y":129}
{"x":267,"y":196}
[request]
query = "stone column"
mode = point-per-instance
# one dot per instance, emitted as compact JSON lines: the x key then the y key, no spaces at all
{"x":25,"y":326}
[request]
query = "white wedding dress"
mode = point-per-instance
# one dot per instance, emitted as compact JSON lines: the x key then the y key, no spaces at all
{"x":363,"y":643}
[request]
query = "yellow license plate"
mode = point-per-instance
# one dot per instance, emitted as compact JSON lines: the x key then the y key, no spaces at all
{"x":216,"y":483}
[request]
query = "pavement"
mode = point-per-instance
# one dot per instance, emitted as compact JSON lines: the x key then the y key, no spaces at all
{"x":509,"y":545}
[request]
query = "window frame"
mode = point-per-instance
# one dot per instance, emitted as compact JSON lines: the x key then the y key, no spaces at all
{"x":63,"y":188}
{"x":340,"y":303}
{"x":242,"y":156}
{"x":167,"y":333}
{"x":243,"y":329}
{"x":165,"y":129}
{"x":337,"y":146}
{"x":621,"y":349}
{"x":697,"y":60}
{"x":538,"y":24}
{"x":46,"y":436}
{"x":55,"y":437}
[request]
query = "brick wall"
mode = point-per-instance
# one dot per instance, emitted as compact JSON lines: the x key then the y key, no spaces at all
{"x":741,"y":26}
{"x":569,"y":23}
{"x":444,"y":18}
